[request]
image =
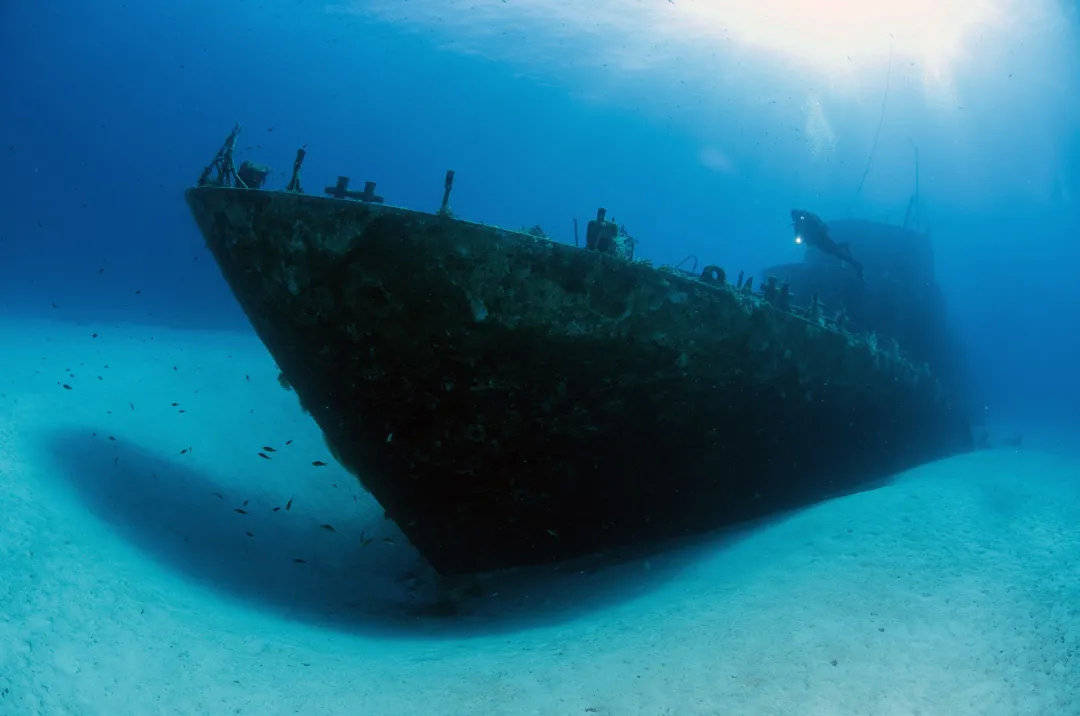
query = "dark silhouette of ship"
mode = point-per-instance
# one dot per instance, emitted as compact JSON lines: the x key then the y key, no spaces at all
{"x":511,"y":400}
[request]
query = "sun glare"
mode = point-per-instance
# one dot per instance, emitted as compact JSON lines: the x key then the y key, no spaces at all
{"x":841,"y":36}
{"x":839,"y":41}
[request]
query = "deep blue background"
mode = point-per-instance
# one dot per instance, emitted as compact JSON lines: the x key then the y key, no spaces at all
{"x":111,"y":109}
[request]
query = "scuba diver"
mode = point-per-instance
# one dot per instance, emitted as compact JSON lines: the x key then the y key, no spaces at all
{"x":812,"y":231}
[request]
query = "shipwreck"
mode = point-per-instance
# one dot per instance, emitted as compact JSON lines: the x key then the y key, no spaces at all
{"x":513,"y":400}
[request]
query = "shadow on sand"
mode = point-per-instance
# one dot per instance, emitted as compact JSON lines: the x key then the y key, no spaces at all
{"x":187,"y":522}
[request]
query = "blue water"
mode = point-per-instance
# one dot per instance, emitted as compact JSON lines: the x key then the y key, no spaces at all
{"x":113,"y":108}
{"x":697,"y":125}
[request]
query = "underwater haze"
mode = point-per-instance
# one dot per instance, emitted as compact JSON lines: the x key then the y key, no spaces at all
{"x":134,"y":394}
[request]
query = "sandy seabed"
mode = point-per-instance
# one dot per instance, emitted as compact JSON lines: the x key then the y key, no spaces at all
{"x":151,"y":561}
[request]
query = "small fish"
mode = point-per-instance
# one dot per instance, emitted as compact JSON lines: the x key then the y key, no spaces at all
{"x":288,"y":442}
{"x":288,"y":505}
{"x":264,"y":456}
{"x":240,"y":510}
{"x":130,"y":405}
{"x":93,"y":335}
{"x":218,"y":495}
{"x":299,"y":561}
{"x":174,"y":404}
{"x":181,"y":410}
{"x":138,"y":291}
{"x":247,"y":377}
{"x":268,"y":449}
{"x":276,"y":509}
{"x":112,"y":437}
{"x":318,"y":463}
{"x":328,"y":527}
{"x":66,"y":386}
{"x":245,"y":503}
{"x":184,"y":451}
{"x":249,"y":534}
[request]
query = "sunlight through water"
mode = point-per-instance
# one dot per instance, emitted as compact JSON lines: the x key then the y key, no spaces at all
{"x":836,"y":38}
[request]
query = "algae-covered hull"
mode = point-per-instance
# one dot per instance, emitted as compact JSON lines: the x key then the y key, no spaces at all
{"x":510,"y":400}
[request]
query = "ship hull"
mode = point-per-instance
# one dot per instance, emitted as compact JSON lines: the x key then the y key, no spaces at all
{"x":510,"y":400}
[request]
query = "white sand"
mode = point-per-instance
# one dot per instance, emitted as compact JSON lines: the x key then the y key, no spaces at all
{"x":128,"y":586}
